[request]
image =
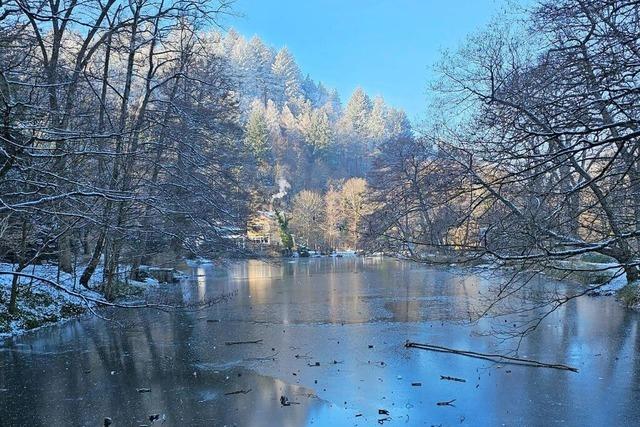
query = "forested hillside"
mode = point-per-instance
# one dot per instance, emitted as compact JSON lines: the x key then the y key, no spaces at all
{"x":296,"y":128}
{"x":306,"y":149}
{"x":132,"y":133}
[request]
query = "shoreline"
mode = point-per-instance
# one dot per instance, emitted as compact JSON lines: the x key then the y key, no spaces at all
{"x":40,"y":304}
{"x":63,"y":307}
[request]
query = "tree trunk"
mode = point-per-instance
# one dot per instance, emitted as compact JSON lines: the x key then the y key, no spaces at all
{"x":64,"y":253}
{"x":15,"y":283}
{"x":111,"y":272}
{"x":632,"y":273}
{"x":93,"y":263}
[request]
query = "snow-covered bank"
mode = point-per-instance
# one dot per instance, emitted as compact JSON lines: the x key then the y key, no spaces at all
{"x":40,"y":303}
{"x":614,"y":284}
{"x":198,"y":261}
{"x":595,"y":279}
{"x":603,"y":279}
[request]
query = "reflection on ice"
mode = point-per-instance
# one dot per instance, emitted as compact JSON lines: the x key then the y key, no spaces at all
{"x":332,"y":332}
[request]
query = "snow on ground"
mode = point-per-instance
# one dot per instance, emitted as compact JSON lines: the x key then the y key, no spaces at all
{"x":617,"y":282}
{"x":198,"y":261}
{"x":346,"y":253}
{"x":40,"y":303}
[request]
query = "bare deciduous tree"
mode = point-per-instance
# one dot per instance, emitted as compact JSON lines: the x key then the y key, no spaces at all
{"x":533,"y":152}
{"x":119,"y":135}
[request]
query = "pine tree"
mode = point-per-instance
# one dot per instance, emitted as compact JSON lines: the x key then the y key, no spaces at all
{"x":263,"y":58}
{"x":288,"y":120}
{"x":257,"y":132}
{"x":285,"y":235}
{"x":287,"y":76}
{"x":377,"y":123}
{"x":272,"y":117}
{"x":243,"y":67}
{"x":398,"y":125}
{"x":318,"y":135}
{"x":356,"y":114}
{"x":322,"y":95}
{"x":333,"y":106}
{"x":229,"y":41}
{"x":310,"y":91}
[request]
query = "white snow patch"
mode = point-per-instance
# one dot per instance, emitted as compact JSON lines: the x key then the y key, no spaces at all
{"x":618,"y":281}
{"x":40,"y":303}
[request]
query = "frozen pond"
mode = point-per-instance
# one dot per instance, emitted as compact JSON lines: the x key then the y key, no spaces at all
{"x":332,"y":334}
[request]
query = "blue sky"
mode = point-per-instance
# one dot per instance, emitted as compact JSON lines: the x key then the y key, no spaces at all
{"x":386,"y":46}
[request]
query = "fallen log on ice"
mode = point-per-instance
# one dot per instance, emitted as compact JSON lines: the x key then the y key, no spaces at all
{"x":231,"y":393}
{"x":448,"y":378}
{"x":496,"y":358}
{"x":243,"y":342}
